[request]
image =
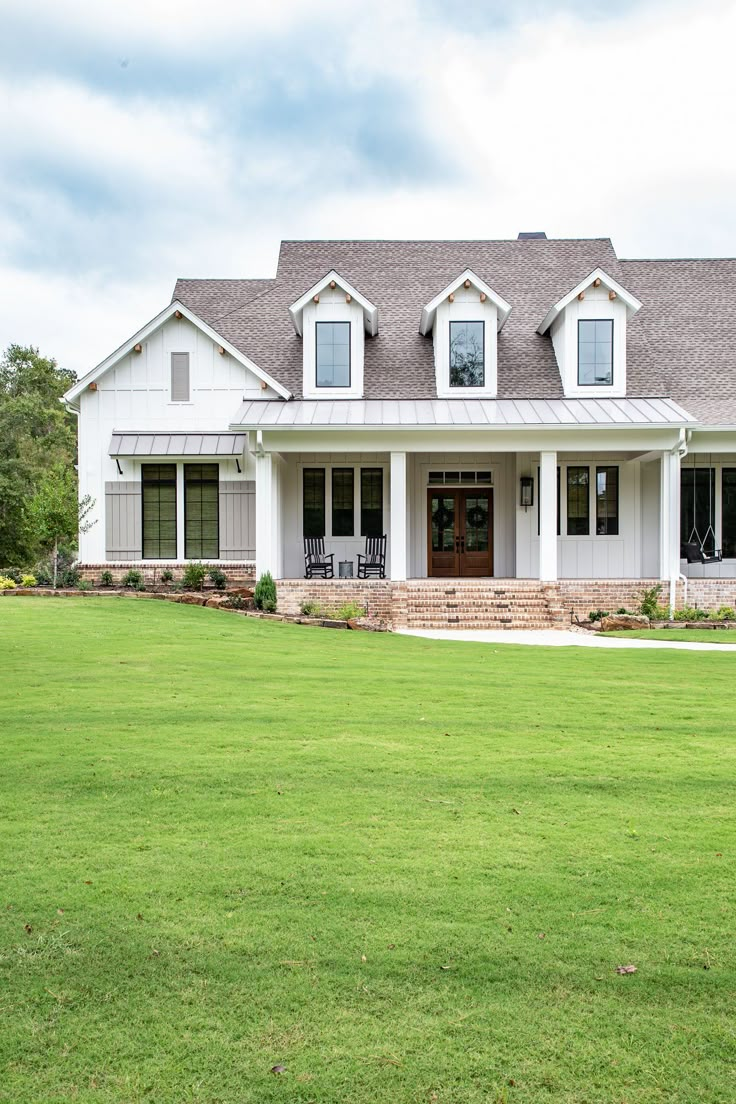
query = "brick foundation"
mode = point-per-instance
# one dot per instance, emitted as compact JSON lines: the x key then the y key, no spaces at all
{"x":238,"y":574}
{"x":376,"y":596}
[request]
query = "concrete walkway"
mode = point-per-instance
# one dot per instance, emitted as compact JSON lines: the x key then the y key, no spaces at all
{"x":558,"y":638}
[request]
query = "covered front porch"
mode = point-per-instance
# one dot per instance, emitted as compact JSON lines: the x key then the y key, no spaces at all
{"x":542,"y":514}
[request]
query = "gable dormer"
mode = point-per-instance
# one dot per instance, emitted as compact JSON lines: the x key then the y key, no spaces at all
{"x":588,"y":331}
{"x":464,"y":320}
{"x":332,"y":318}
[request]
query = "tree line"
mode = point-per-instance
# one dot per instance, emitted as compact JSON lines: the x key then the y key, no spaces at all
{"x":39,"y":509}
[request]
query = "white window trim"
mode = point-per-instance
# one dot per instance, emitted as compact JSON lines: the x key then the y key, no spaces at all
{"x":327,"y":467}
{"x":591,"y":465}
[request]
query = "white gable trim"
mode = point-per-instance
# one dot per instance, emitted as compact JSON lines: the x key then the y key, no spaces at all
{"x":167,"y":313}
{"x":503,"y":309}
{"x":630,"y":301}
{"x":370,"y":312}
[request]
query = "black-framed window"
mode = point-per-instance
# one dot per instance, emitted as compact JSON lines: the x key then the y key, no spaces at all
{"x":728,"y":513}
{"x":578,"y":501}
{"x":467,"y":354}
{"x":313,"y":505}
{"x":201,"y":511}
{"x":158,"y":491}
{"x":539,"y":502}
{"x":595,"y":352}
{"x":371,"y":502}
{"x":697,"y":507}
{"x":333,"y":354}
{"x":606,"y":501}
{"x":343,"y":502}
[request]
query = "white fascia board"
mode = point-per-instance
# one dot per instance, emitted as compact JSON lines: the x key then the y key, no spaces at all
{"x":631,"y":302}
{"x":370,"y":311}
{"x":503,"y":308}
{"x":530,"y":427}
{"x":151,"y":327}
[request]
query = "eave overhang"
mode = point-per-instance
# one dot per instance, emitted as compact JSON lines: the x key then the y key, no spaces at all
{"x":503,"y":309}
{"x":370,"y":311}
{"x":631,"y":302}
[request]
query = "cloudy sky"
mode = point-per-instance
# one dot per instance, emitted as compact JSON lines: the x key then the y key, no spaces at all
{"x":149,"y":139}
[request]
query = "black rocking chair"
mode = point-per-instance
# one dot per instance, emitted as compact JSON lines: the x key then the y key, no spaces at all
{"x":317,"y":565}
{"x":372,"y":565}
{"x":694,"y":554}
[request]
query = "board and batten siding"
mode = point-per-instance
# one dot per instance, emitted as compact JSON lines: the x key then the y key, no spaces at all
{"x":237,"y":519}
{"x":123,"y":521}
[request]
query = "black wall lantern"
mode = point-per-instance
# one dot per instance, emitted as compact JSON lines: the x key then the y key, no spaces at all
{"x":526,"y":491}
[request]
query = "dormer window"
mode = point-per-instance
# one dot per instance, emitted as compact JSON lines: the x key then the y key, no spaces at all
{"x":588,"y":331}
{"x":595,"y":352}
{"x":467,"y":354}
{"x":464,"y":320}
{"x":333,"y":354}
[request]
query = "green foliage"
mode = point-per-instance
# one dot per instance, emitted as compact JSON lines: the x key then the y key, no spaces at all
{"x":724,"y":613}
{"x":597,"y":614}
{"x":218,"y":578}
{"x":6,"y":583}
{"x":106,"y":579}
{"x":311,"y":609}
{"x":264,"y":594}
{"x":349,"y":611}
{"x":55,"y":513}
{"x":68,"y":576}
{"x":133,"y":579}
{"x":84,"y":584}
{"x":236,"y":601}
{"x":691,"y":613}
{"x":194,"y":575}
{"x":167,"y":575}
{"x":28,"y":580}
{"x":36,"y":435}
{"x":649,"y":604}
{"x":44,"y":574}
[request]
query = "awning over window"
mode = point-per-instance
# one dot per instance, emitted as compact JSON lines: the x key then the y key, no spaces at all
{"x":177,"y":444}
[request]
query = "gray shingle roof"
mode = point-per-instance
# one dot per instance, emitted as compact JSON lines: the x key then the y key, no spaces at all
{"x":402,"y":276}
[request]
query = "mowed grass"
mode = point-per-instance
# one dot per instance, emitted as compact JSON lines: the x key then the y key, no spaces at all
{"x":404,"y":870}
{"x":701,"y":636}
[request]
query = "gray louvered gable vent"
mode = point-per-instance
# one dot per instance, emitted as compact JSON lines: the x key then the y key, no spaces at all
{"x":180,"y":377}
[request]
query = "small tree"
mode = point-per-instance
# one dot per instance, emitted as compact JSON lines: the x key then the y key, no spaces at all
{"x":57,"y":515}
{"x":264,"y":595}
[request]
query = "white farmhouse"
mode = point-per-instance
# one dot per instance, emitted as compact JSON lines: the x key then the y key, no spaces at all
{"x":534,"y":424}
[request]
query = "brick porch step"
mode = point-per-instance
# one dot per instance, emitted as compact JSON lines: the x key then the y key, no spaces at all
{"x":480,"y":604}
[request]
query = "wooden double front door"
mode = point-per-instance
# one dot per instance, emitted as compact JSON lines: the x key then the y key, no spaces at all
{"x":460,"y":538}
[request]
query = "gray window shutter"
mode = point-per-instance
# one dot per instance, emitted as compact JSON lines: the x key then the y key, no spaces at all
{"x":237,"y":519}
{"x":180,"y":377}
{"x":123,"y":521}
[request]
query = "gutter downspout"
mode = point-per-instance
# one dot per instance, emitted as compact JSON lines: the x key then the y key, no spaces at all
{"x":681,"y":448}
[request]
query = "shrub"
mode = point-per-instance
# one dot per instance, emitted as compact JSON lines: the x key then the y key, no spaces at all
{"x":598,"y":614}
{"x":236,"y":601}
{"x":69,"y":577}
{"x":349,"y":611}
{"x":311,"y":609}
{"x":725,"y":613}
{"x":44,"y":574}
{"x":691,"y":613}
{"x":6,"y":583}
{"x":218,"y":578}
{"x":13,"y":573}
{"x":106,"y":579}
{"x":83,"y":584}
{"x":193,"y":577}
{"x":167,"y":575}
{"x":28,"y":580}
{"x":265,"y":593}
{"x":133,"y":579}
{"x":650,"y":601}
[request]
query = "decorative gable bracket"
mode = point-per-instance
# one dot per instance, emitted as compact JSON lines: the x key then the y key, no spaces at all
{"x":466,"y":280}
{"x":334,"y":281}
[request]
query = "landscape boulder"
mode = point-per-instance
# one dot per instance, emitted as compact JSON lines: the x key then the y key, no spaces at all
{"x":616,"y":621}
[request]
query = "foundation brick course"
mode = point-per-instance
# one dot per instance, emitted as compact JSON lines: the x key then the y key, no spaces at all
{"x":238,"y":574}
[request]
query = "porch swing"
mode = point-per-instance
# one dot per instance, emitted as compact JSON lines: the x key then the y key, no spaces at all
{"x":695,"y":547}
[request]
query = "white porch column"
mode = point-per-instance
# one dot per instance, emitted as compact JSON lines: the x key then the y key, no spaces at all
{"x":669,"y":516}
{"x":399,"y":516}
{"x":548,"y":516}
{"x":265,"y":515}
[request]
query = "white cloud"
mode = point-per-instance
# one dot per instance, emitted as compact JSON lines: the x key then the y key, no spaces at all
{"x":575,"y":126}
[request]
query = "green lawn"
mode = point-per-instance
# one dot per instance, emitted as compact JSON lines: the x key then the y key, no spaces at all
{"x":704,"y":636}
{"x":405,"y":870}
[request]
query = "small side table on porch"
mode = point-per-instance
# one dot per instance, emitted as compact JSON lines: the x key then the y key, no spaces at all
{"x":345,"y":569}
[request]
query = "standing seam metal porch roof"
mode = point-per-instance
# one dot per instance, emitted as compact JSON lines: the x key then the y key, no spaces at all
{"x":176,"y":444}
{"x":484,"y":413}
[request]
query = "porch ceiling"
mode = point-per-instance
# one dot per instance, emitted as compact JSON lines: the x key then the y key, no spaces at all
{"x":496,"y":413}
